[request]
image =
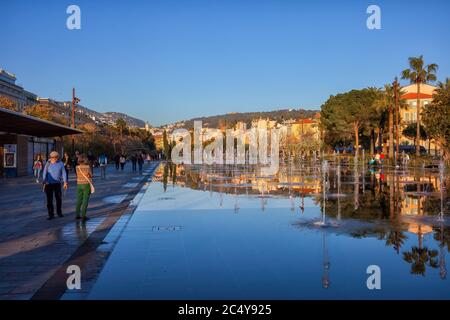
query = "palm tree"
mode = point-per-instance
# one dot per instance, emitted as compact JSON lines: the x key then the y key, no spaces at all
{"x":386,"y":103}
{"x":399,"y":104}
{"x":418,"y":74}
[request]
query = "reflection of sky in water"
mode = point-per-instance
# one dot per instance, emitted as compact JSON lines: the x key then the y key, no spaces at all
{"x":205,"y":239}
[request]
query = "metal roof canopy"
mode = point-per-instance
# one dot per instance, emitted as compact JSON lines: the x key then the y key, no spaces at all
{"x":18,"y":123}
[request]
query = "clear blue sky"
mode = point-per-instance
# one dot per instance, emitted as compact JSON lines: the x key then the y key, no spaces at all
{"x":170,"y":60}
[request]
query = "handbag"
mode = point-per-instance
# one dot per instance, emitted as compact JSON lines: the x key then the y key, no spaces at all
{"x":89,"y":180}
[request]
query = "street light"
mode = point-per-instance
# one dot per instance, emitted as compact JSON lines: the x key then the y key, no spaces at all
{"x":75,"y":100}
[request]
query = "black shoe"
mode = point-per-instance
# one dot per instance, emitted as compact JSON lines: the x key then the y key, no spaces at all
{"x":51,"y":217}
{"x":61,"y":215}
{"x":85,"y":219}
{"x":78,"y":217}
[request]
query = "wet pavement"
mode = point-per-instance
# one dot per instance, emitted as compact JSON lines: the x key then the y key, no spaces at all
{"x":34,"y":252}
{"x":309,"y":232}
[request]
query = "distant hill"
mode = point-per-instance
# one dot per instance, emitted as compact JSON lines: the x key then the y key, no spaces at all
{"x":230,"y":119}
{"x":131,"y":121}
{"x":110,"y":117}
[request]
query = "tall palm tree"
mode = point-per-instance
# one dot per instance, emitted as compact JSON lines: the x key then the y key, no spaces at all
{"x":418,"y":74}
{"x":388,"y":101}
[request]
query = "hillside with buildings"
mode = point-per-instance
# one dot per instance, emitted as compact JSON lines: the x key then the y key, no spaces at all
{"x":59,"y":111}
{"x":229,"y":120}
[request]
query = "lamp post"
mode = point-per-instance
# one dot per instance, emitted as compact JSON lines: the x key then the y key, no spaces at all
{"x":75,"y":100}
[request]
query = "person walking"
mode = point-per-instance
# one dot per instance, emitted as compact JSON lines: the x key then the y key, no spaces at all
{"x":377,"y":158}
{"x":122,"y":160}
{"x":37,"y":167}
{"x":407,"y":159}
{"x":102,"y":162}
{"x":117,"y":161}
{"x":84,"y":188}
{"x":140,"y":161}
{"x":52,"y":176}
{"x":134,"y":158}
{"x":67,"y":163}
{"x":91,"y":159}
{"x":382,"y":157}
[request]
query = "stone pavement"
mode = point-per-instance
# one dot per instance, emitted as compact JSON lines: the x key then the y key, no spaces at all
{"x":35,"y":252}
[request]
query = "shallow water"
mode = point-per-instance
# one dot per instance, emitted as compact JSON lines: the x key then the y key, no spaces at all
{"x":310,"y":232}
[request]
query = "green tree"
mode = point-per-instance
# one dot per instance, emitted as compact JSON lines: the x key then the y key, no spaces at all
{"x":121,"y":125}
{"x":40,"y":111}
{"x":410,"y":132}
{"x":345,"y":114}
{"x":417,"y":74}
{"x":436,"y":117}
{"x":386,"y":103}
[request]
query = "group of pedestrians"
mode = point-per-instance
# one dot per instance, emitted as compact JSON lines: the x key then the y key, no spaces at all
{"x":55,"y":179}
{"x":120,"y":160}
{"x":378,"y":159}
{"x":137,"y":160}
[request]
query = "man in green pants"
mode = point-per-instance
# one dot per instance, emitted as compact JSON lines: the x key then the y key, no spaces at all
{"x":84,"y":187}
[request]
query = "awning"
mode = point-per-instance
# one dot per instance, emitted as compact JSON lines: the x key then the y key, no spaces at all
{"x":18,"y":123}
{"x":413,"y":95}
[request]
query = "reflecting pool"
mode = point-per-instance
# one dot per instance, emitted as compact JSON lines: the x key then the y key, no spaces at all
{"x":308,"y":232}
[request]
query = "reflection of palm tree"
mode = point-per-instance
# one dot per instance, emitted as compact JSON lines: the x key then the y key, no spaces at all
{"x":442,"y":234}
{"x":419,"y":258}
{"x":396,"y":238}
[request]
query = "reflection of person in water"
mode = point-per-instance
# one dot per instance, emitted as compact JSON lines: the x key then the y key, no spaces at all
{"x":383,"y":205}
{"x":302,"y":205}
{"x":326,"y":263}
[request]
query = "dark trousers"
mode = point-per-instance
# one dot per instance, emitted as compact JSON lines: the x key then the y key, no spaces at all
{"x":134,"y":165}
{"x":50,"y":190}
{"x":117,"y":165}
{"x":140,"y":167}
{"x":103,"y":172}
{"x":67,"y":172}
{"x":122,"y":166}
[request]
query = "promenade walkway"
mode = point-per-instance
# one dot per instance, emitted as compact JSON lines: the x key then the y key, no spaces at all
{"x":35,"y":252}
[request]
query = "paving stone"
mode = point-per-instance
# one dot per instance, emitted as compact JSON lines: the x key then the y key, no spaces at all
{"x":32,"y":248}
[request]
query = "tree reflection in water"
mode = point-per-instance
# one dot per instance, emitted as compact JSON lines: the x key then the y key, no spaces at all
{"x":419,"y":258}
{"x":390,"y":205}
